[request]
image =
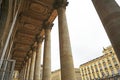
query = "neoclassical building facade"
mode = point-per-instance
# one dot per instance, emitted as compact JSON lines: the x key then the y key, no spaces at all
{"x":106,"y":66}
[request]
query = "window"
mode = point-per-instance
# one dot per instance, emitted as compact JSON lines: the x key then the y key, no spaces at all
{"x":104,"y":64}
{"x":96,"y":68}
{"x":107,"y":73}
{"x":103,"y":75}
{"x":92,"y":69}
{"x":112,"y":72}
{"x":110,"y":51}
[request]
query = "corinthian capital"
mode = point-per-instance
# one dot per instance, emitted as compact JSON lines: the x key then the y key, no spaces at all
{"x":39,"y":39}
{"x":60,"y":3}
{"x":48,"y":26}
{"x":34,"y":47}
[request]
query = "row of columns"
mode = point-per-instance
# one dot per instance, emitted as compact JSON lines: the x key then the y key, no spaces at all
{"x":109,"y":13}
{"x":34,"y":63}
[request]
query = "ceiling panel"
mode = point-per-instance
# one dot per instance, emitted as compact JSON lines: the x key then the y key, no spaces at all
{"x":30,"y":23}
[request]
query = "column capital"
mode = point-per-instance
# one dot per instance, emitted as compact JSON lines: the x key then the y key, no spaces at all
{"x":59,"y":4}
{"x":39,"y":39}
{"x":48,"y":26}
{"x":26,"y":58}
{"x":29,"y":54}
{"x":34,"y":47}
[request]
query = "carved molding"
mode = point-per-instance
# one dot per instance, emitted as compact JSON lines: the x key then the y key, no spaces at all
{"x":40,"y":9}
{"x":53,"y":16}
{"x":19,"y":54}
{"x":34,"y":47}
{"x":29,"y":26}
{"x":33,"y":15}
{"x":18,"y":59}
{"x":24,"y":43}
{"x":25,"y":35}
{"x":60,"y":3}
{"x":48,"y":26}
{"x":29,"y":54}
{"x":44,"y":3}
{"x":19,"y":45}
{"x":42,"y":33}
{"x":39,"y":39}
{"x":26,"y":19}
{"x":24,"y":39}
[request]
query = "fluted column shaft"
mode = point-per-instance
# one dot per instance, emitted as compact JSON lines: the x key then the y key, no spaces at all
{"x":25,"y":71}
{"x":21,"y":75}
{"x":47,"y":55}
{"x":109,"y":13}
{"x":28,"y":69}
{"x":38,"y":61}
{"x":32,"y":66}
{"x":66,"y":59}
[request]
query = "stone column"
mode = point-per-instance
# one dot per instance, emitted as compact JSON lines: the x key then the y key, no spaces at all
{"x":22,"y":74}
{"x":28,"y":69}
{"x":66,"y":59}
{"x":25,"y":69}
{"x":47,"y":55}
{"x":38,"y":59}
{"x":109,"y":13}
{"x":32,"y":66}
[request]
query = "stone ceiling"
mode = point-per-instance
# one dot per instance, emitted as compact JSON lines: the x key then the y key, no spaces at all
{"x":34,"y":15}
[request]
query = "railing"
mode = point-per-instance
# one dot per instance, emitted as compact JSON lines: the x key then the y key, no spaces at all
{"x":6,"y":70}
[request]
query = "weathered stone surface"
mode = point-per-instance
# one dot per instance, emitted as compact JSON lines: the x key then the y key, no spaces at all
{"x":47,"y":55}
{"x":38,"y":60}
{"x":109,"y":13}
{"x":67,"y":67}
{"x":32,"y":66}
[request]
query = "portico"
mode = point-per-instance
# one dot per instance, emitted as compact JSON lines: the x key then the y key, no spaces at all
{"x":32,"y":25}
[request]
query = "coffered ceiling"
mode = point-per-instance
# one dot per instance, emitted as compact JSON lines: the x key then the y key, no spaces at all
{"x":34,"y":14}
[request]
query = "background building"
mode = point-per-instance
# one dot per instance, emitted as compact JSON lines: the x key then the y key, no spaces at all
{"x":56,"y":75}
{"x":106,"y":66}
{"x":15,"y":75}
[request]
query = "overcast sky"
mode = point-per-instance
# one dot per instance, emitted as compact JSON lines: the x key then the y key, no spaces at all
{"x":87,"y":34}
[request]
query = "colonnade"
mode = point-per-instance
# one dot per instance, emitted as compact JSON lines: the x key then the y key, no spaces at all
{"x":33,"y":66}
{"x":109,"y":13}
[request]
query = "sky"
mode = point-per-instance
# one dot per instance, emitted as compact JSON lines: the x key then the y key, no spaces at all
{"x":87,"y":34}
